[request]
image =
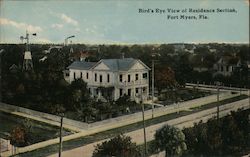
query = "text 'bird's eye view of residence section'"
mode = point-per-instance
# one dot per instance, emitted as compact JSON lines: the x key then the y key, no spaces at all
{"x":124,"y":78}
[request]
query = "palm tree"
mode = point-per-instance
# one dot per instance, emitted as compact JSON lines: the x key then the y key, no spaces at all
{"x":170,"y":139}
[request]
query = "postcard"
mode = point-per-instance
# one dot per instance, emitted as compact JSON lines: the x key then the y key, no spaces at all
{"x":147,"y":78}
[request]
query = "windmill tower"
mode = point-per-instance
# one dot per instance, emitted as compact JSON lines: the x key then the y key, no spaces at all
{"x":27,"y":62}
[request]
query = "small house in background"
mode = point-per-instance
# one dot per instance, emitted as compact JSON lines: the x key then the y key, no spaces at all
{"x":226,"y":65}
{"x":80,"y":56}
{"x":200,"y":66}
{"x":126,"y":76}
{"x":14,"y":68}
{"x":202,"y":63}
{"x":84,"y":55}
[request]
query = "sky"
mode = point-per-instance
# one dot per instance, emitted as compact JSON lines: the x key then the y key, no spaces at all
{"x":119,"y":22}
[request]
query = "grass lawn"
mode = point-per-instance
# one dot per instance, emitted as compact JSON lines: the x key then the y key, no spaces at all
{"x":183,"y":94}
{"x":40,"y":131}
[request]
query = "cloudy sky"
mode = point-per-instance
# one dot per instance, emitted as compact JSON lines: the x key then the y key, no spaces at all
{"x":98,"y":22}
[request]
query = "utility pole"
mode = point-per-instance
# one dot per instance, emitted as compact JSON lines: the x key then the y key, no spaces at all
{"x":249,"y":97}
{"x":218,"y":99}
{"x":144,"y":127}
{"x":1,"y":51}
{"x":60,"y":138}
{"x":240,"y":80}
{"x":153,"y":86}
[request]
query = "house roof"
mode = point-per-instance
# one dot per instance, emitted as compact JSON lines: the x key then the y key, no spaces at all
{"x":229,"y":60}
{"x":113,"y":64}
{"x":81,"y":65}
{"x":119,"y":64}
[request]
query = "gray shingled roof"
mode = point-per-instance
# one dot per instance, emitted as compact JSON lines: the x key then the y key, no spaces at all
{"x":119,"y":64}
{"x":113,"y":64}
{"x":81,"y":65}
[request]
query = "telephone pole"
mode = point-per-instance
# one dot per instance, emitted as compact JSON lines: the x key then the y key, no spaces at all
{"x":60,"y":138}
{"x":218,"y":99}
{"x":1,"y":52}
{"x":153,"y":86}
{"x":144,"y":126}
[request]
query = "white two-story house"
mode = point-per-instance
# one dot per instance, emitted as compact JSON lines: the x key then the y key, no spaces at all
{"x":125,"y":76}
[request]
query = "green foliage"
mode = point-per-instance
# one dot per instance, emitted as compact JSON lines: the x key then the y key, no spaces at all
{"x":214,"y":139}
{"x":124,"y":104}
{"x":79,"y":92}
{"x":170,"y":139}
{"x":119,"y":146}
{"x":86,"y":111}
{"x":230,"y":135}
{"x":196,"y":138}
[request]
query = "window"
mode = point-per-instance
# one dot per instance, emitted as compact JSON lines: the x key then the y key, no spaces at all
{"x":129,"y":92}
{"x":145,"y":75}
{"x":87,"y":75}
{"x":128,"y":78}
{"x":136,"y":77}
{"x":136,"y":90}
{"x":100,"y":77}
{"x":227,"y":68}
{"x":95,"y":77}
{"x":221,"y":68}
{"x":108,"y":78}
{"x":74,"y":75}
{"x":67,"y":74}
{"x":120,"y":78}
{"x":81,"y":75}
{"x":120,"y":92}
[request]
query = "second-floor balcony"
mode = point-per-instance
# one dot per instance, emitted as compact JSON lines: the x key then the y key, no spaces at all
{"x":134,"y":82}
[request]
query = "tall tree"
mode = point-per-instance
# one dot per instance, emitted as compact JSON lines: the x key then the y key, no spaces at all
{"x":164,"y":78}
{"x":170,"y":139}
